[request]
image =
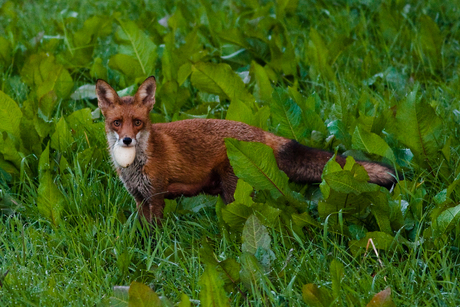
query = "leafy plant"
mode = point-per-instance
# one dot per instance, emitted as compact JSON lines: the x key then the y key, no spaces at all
{"x":369,"y":80}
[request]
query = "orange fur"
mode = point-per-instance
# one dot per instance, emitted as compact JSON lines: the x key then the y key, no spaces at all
{"x":188,"y":157}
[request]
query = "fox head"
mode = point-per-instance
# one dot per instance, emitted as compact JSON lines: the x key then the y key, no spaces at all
{"x":127,"y":121}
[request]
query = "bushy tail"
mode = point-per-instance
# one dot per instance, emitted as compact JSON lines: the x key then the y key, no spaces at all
{"x":305,"y":165}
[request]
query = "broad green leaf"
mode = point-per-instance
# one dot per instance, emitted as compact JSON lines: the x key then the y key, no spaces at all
{"x":447,"y":220}
{"x":184,"y":301}
{"x":85,"y":39}
{"x":418,"y":127}
{"x":382,"y":299}
{"x":230,"y":271}
{"x":431,"y":41}
{"x":212,"y":289}
{"x":315,"y":123}
{"x":10,"y":115}
{"x":338,"y":129}
{"x":243,"y":193}
{"x":303,"y":219}
{"x":120,"y":297}
{"x":318,"y":56}
{"x":50,"y":81}
{"x":371,"y":143}
{"x":173,"y":97}
{"x":337,"y":273}
{"x":127,"y":65}
{"x":8,"y":147}
{"x":62,"y":138}
{"x":255,"y":163}
{"x":286,"y":115}
{"x":316,"y":296}
{"x":236,"y":214}
{"x":138,"y":46}
{"x":263,"y":89}
{"x":240,"y":111}
{"x":251,"y":273}
{"x":381,"y":241}
{"x":219,"y":79}
{"x":345,"y":182}
{"x":207,"y":253}
{"x":50,"y":200}
{"x":44,"y":161}
{"x":86,"y":91}
{"x":381,"y":210}
{"x":141,"y":295}
{"x":267,"y":214}
{"x":98,"y":70}
{"x":254,"y":236}
{"x":5,"y":52}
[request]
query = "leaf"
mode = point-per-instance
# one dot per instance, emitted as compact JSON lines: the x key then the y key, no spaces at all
{"x":141,"y":295}
{"x":86,"y":91}
{"x":44,"y":161}
{"x":126,"y":64}
{"x":381,"y":210}
{"x":230,"y":271}
{"x":50,"y":200}
{"x":251,"y":273}
{"x":345,"y":182}
{"x":254,"y":236}
{"x":139,"y":48}
{"x":371,"y":143}
{"x":431,"y":41}
{"x":85,"y":39}
{"x":62,"y":137}
{"x":184,"y":301}
{"x":219,"y":79}
{"x":120,"y":297}
{"x":243,"y":193}
{"x":50,"y":81}
{"x":236,"y":214}
{"x":382,"y":299}
{"x":240,"y":112}
{"x":318,"y":56}
{"x":381,"y":241}
{"x":286,"y":115}
{"x":5,"y":52}
{"x":98,"y":70}
{"x":338,"y":129}
{"x":8,"y":147}
{"x":212,"y":288}
{"x":263,"y":89}
{"x":418,"y":127}
{"x":10,"y":115}
{"x":447,"y":220}
{"x":173,"y":97}
{"x":255,"y":163}
{"x":316,"y":296}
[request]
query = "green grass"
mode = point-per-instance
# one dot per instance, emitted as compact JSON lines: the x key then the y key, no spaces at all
{"x":344,"y":65}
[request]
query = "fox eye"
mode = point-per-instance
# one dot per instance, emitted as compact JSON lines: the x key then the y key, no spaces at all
{"x":117,"y":123}
{"x":137,"y":122}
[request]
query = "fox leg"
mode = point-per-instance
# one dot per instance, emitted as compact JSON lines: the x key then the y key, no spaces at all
{"x":228,"y":183}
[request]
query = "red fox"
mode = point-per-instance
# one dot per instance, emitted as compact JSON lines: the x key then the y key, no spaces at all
{"x":167,"y":160}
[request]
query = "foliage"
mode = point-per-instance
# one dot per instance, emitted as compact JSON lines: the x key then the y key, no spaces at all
{"x":372,"y":80}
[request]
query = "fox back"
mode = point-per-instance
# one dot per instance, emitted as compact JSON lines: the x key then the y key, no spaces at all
{"x":189,"y":157}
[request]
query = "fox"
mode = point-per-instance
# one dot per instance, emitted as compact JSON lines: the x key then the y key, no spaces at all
{"x":188,"y":157}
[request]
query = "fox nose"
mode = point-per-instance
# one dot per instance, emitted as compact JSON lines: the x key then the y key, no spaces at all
{"x":127,"y":140}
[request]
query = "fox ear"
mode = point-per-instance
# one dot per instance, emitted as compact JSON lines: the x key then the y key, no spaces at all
{"x":146,"y":92}
{"x":106,"y":95}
